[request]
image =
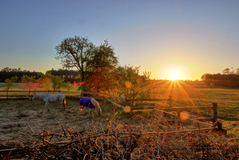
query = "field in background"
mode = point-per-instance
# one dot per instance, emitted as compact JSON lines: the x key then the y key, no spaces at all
{"x":17,"y":86}
{"x":185,"y":94}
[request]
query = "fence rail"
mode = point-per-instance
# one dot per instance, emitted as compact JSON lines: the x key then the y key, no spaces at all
{"x":79,"y":95}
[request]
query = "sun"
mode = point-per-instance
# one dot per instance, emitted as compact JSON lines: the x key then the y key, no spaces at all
{"x":174,"y":76}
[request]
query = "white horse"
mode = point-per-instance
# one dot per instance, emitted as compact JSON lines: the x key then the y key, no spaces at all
{"x":51,"y":98}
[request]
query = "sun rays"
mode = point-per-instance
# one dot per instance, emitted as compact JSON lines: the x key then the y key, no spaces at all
{"x":178,"y":91}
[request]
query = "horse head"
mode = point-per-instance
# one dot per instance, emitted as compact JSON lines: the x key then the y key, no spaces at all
{"x":34,"y":96}
{"x":97,"y":106}
{"x":99,"y":110}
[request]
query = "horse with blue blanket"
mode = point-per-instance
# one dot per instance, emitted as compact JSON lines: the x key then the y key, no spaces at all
{"x":90,"y":103}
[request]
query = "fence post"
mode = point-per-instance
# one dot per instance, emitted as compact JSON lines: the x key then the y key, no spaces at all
{"x":170,"y":101}
{"x":29,"y":94}
{"x":214,"y":108}
{"x":125,"y":100}
{"x":7,"y":94}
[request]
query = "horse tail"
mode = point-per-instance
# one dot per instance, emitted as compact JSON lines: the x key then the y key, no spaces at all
{"x":64,"y":103}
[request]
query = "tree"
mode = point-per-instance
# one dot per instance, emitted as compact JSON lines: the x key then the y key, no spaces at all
{"x":75,"y":52}
{"x":103,"y":56}
{"x":29,"y":83}
{"x":68,"y":86}
{"x":226,"y":71}
{"x":10,"y":82}
{"x":133,"y":85}
{"x":104,"y":79}
{"x":78,"y":52}
{"x":46,"y":84}
{"x":57,"y":81}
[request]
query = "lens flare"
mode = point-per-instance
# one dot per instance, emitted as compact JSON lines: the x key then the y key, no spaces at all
{"x":184,"y":115}
{"x":30,"y":86}
{"x":46,"y":84}
{"x":128,"y":84}
{"x":127,"y":109}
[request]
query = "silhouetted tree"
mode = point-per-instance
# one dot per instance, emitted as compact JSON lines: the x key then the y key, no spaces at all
{"x":78,"y":52}
{"x":75,"y":52}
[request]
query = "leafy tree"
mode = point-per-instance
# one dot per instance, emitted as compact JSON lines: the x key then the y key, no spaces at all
{"x":68,"y":86}
{"x":10,"y":82}
{"x":29,"y":83}
{"x":103,"y":56}
{"x":75,"y":52}
{"x":104,"y":79}
{"x":57,"y":81}
{"x":46,"y":83}
{"x":78,"y":52}
{"x":133,"y":85}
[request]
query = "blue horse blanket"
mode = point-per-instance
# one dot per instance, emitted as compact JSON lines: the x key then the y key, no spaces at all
{"x":86,"y":102}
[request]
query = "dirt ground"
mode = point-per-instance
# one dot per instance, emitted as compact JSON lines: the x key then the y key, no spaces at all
{"x":24,"y":115}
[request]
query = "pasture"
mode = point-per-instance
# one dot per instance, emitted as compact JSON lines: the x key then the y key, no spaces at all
{"x":15,"y":115}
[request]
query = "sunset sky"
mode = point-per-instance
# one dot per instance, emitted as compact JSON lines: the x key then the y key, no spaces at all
{"x":187,"y":37}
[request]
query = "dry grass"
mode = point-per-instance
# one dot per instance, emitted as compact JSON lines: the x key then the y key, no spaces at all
{"x":120,"y":141}
{"x":16,"y":114}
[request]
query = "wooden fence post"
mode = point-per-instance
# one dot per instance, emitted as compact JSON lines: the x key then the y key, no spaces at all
{"x":29,"y":94}
{"x":125,"y":100}
{"x":176,"y":122}
{"x":170,"y":101}
{"x":214,"y":108}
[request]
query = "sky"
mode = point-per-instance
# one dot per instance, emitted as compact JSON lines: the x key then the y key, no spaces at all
{"x":189,"y":38}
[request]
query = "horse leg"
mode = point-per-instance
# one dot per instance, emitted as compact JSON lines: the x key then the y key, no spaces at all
{"x":46,"y":105}
{"x":62,"y":104}
{"x":89,"y":111}
{"x":81,"y":108}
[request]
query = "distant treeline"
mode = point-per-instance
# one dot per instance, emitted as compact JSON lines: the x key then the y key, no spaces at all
{"x":69,"y":75}
{"x":221,"y":80}
{"x":228,"y":78}
{"x":7,"y":75}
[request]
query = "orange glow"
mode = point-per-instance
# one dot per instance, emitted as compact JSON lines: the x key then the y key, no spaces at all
{"x":128,"y":84}
{"x":174,"y":72}
{"x":184,"y":115}
{"x":127,"y":109}
{"x":30,"y":86}
{"x":46,"y":84}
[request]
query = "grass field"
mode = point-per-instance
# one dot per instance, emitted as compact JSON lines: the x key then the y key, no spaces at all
{"x":16,"y":86}
{"x":16,"y":114}
{"x":187,"y":95}
{"x":182,"y":94}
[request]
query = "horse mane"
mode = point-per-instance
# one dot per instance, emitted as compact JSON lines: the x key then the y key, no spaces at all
{"x":41,"y":95}
{"x":95,"y":103}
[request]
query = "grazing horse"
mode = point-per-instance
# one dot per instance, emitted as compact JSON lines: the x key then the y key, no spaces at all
{"x":90,"y":103}
{"x":51,"y":98}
